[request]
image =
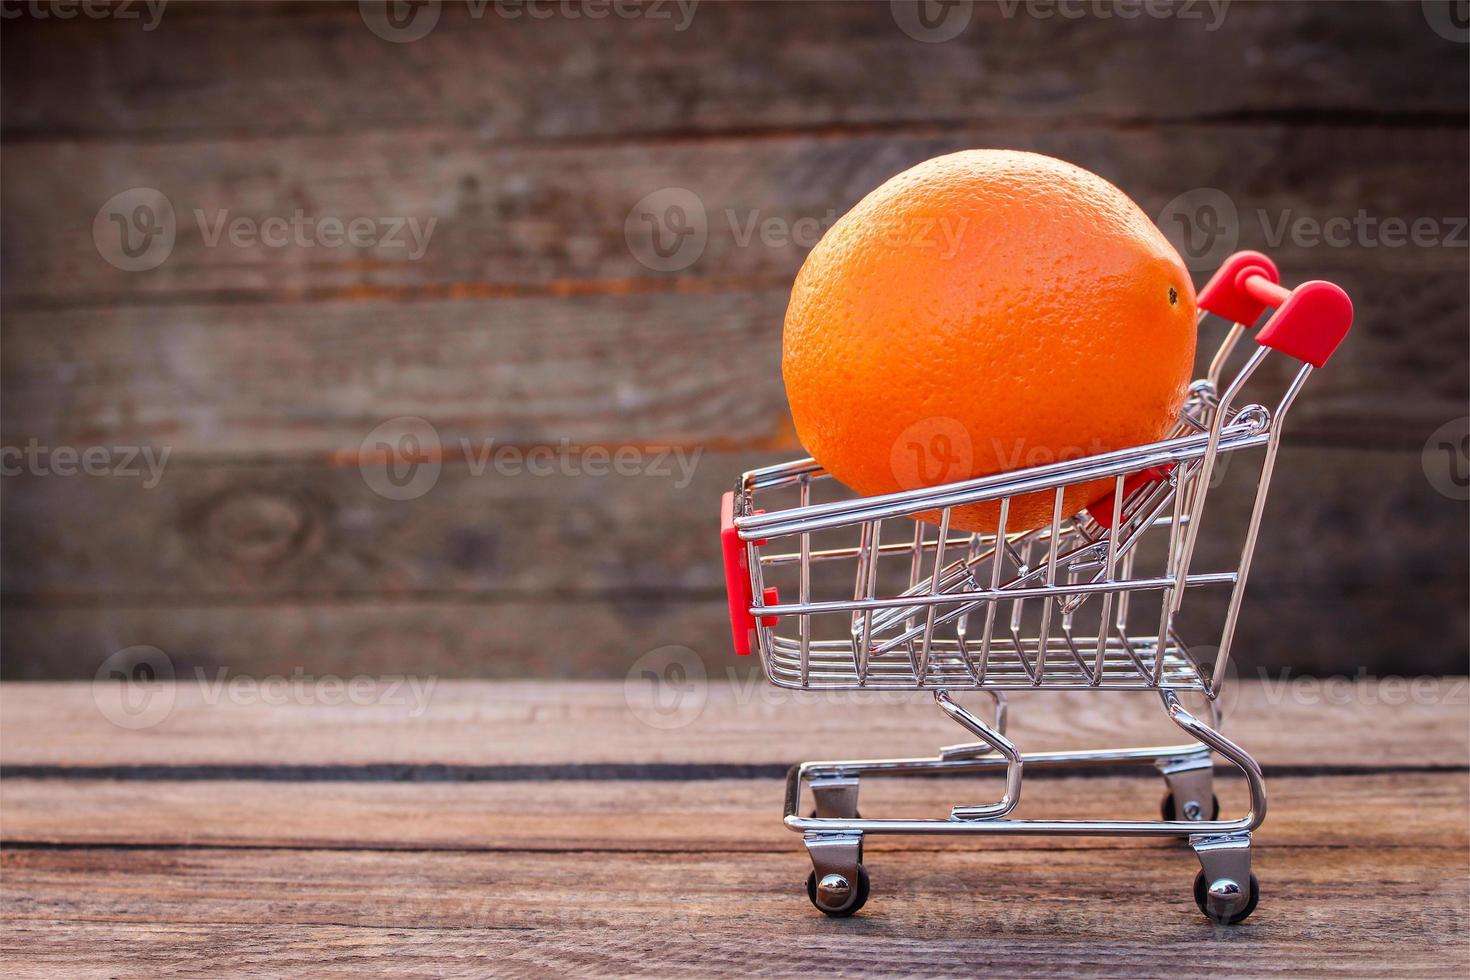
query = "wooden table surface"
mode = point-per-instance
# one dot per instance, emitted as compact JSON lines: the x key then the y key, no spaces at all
{"x":533,"y":827}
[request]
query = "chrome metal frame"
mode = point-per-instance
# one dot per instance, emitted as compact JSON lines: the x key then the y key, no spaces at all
{"x":924,"y":637}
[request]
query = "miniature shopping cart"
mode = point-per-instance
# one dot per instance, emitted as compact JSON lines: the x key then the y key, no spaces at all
{"x":867,"y":594}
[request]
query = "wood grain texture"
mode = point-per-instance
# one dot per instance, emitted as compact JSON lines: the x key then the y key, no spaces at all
{"x":615,"y":875}
{"x":1357,"y":913}
{"x":515,"y":575}
{"x":718,"y":69}
{"x":246,"y":532}
{"x":530,"y":319}
{"x":551,"y":220}
{"x":281,"y":379}
{"x":727,"y":815}
{"x":740,"y":720}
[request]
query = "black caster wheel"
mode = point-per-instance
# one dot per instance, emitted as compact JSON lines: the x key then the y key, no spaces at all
{"x":1203,"y":899}
{"x":835,"y":888}
{"x":1167,"y":810}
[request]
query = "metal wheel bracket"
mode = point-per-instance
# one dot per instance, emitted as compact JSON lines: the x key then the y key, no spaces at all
{"x":1191,"y":781}
{"x":1226,"y":861}
{"x":836,"y":797}
{"x":836,"y":859}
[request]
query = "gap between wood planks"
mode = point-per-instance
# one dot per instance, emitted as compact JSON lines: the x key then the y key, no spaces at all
{"x":591,"y":772}
{"x":933,"y":126}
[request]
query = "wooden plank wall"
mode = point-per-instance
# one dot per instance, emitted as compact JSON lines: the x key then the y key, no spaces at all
{"x":530,"y":320}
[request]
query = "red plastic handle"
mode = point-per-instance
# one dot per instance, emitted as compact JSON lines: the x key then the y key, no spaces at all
{"x":737,"y":580}
{"x":1102,"y":510}
{"x":1309,"y":321}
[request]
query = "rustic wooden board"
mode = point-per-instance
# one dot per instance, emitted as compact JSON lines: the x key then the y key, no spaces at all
{"x":278,"y":380}
{"x":490,"y":575}
{"x":558,"y":226}
{"x":1351,"y":912}
{"x":689,"y":815}
{"x":730,"y":69}
{"x":1362,"y":859}
{"x":732,"y":719}
{"x":600,"y":636}
{"x":246,"y":531}
{"x":530,"y":158}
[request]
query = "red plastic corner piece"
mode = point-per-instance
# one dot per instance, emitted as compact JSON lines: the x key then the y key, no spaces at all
{"x":737,"y":577}
{"x":1311,"y":324}
{"x":770,"y":597}
{"x":1224,"y":294}
{"x":1102,"y":510}
{"x":737,"y":580}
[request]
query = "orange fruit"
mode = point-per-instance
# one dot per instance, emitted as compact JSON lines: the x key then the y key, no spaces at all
{"x":984,"y":311}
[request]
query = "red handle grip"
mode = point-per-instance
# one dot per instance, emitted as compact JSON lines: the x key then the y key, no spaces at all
{"x":737,"y":580}
{"x":1309,"y":321}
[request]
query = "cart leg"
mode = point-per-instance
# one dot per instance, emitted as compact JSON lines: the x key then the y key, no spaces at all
{"x":836,"y":797}
{"x":1001,"y":745}
{"x":973,"y":750}
{"x":838,"y":884}
{"x":1191,"y":782}
{"x":1225,"y":889}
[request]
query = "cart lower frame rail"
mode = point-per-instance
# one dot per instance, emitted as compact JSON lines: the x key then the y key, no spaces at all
{"x":1225,"y":889}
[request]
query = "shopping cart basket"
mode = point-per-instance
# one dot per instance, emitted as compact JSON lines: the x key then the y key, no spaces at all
{"x":884,"y":601}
